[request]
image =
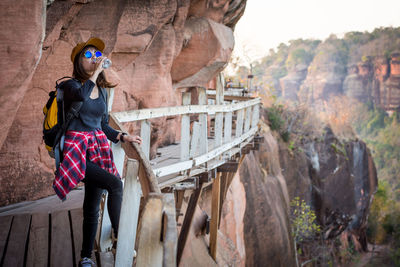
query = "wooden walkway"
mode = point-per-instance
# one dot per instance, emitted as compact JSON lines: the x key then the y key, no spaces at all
{"x":209,"y":152}
{"x":45,"y":232}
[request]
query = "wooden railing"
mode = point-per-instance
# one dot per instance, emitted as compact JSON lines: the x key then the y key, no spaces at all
{"x":235,"y":124}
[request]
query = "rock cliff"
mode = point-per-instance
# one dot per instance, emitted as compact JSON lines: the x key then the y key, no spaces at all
{"x":159,"y":48}
{"x":362,"y":66}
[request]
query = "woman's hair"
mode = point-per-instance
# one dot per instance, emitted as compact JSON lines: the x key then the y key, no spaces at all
{"x":80,"y":74}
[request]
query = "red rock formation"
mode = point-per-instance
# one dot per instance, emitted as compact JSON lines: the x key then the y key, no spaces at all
{"x":22,"y":34}
{"x":392,"y":85}
{"x":150,"y":43}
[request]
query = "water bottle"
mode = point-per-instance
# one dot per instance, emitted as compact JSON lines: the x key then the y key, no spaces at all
{"x":107,"y":63}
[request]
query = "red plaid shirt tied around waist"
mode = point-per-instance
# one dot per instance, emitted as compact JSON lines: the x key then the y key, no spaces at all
{"x":77,"y":147}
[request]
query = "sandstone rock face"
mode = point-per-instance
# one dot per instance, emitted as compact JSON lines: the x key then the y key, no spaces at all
{"x":290,"y":84}
{"x":325,"y":73}
{"x":22,"y":34}
{"x":150,"y":43}
{"x":340,"y":178}
{"x":195,"y":66}
{"x":358,"y":85}
{"x":267,"y":231}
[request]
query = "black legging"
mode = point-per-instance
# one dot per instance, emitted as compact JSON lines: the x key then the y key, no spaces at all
{"x":96,"y":179}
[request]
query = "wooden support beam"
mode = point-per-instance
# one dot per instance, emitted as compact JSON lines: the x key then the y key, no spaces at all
{"x":170,"y":235}
{"x":147,"y":178}
{"x":150,"y":249}
{"x":178,"y":202}
{"x":215,"y":206}
{"x":183,"y":235}
{"x":206,"y":177}
{"x":246,"y":149}
{"x":259,"y":139}
{"x":230,"y":166}
{"x":188,"y":184}
{"x":224,"y":188}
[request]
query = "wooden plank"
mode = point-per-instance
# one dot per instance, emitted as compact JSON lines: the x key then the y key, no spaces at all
{"x":129,"y":215}
{"x":77,"y":222}
{"x":187,"y":222}
{"x":219,"y":123}
{"x":185,"y":130}
{"x":5,"y":226}
{"x":239,"y":123}
{"x":145,"y":131}
{"x":194,"y":149}
{"x":132,"y":150}
{"x":215,"y":206}
{"x":119,"y":156}
{"x":178,"y":202}
{"x":38,"y":247}
{"x":106,"y":259}
{"x":203,"y":123}
{"x":150,"y":249}
{"x":61,"y":243}
{"x":146,"y":114}
{"x":105,"y":228}
{"x":110,"y":100}
{"x":170,"y":238}
{"x":223,"y":190}
{"x":228,"y":127}
{"x":15,"y":252}
{"x":248,"y":119}
{"x":230,"y":97}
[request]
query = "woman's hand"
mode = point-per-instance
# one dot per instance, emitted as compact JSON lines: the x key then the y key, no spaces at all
{"x":98,"y":69}
{"x":130,"y":138}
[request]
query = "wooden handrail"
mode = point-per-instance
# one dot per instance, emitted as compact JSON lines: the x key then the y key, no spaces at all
{"x":147,"y":178}
{"x":144,"y":114}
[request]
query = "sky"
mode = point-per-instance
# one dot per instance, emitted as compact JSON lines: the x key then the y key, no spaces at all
{"x":267,"y":23}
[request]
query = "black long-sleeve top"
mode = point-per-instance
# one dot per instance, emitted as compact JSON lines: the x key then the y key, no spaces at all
{"x":93,"y":113}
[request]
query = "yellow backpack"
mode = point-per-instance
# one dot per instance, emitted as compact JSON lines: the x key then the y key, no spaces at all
{"x":56,"y":120}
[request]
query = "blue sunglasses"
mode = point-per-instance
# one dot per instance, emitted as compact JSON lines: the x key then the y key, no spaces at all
{"x":89,"y":54}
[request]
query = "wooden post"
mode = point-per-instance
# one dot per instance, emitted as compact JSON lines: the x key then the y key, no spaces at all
{"x":148,"y":180}
{"x":145,"y":132}
{"x":239,"y":122}
{"x":191,"y":208}
{"x":215,"y":206}
{"x":129,"y":216}
{"x":185,"y":129}
{"x":248,"y":119}
{"x":203,"y":122}
{"x":150,"y":249}
{"x":170,"y":235}
{"x":219,"y":116}
{"x":256,"y":116}
{"x":228,"y":127}
{"x":194,"y":149}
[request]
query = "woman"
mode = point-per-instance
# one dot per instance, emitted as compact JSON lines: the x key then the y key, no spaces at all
{"x":87,"y":154}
